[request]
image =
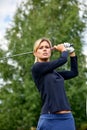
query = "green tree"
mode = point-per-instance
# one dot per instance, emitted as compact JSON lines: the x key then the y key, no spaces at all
{"x":60,"y":22}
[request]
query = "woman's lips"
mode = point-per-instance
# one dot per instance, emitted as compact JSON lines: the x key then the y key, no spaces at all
{"x":45,"y":54}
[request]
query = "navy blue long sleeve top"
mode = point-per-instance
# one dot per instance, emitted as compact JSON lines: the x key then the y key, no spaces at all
{"x":50,"y":82}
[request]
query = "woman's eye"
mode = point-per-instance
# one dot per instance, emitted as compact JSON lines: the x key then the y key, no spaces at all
{"x":47,"y":47}
{"x":41,"y":47}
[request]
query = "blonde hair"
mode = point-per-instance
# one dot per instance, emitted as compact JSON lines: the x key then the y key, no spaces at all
{"x":37,"y":44}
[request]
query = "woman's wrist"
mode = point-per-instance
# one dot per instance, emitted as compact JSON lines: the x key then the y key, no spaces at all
{"x":72,"y":54}
{"x":63,"y":49}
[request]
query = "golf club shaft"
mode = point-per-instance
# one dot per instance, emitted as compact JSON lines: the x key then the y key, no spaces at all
{"x":21,"y":54}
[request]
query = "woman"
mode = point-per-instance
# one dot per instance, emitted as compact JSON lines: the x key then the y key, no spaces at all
{"x":56,"y":112}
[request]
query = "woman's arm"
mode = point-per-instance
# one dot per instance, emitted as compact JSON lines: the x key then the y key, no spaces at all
{"x":45,"y":67}
{"x":74,"y":68}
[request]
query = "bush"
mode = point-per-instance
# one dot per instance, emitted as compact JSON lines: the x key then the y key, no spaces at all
{"x":83,"y":126}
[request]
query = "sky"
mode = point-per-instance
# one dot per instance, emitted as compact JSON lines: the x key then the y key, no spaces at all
{"x":7,"y":11}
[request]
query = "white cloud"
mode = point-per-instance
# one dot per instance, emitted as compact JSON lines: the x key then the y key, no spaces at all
{"x":7,"y":11}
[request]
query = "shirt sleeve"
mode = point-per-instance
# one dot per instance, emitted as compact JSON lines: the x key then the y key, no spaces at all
{"x":45,"y":67}
{"x":73,"y":70}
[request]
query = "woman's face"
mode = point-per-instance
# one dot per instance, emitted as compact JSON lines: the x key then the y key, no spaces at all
{"x":43,"y":52}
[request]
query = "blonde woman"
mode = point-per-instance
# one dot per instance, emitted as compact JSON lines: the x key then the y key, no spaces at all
{"x":56,"y":112}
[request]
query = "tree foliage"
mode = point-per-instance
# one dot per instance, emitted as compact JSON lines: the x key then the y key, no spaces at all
{"x":60,"y":22}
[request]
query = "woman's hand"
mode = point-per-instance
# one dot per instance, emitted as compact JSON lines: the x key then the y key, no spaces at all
{"x":60,"y":47}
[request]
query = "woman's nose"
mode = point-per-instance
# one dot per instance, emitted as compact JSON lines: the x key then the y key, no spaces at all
{"x":44,"y":48}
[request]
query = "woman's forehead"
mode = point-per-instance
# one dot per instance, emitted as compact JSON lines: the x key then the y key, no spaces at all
{"x":45,"y":43}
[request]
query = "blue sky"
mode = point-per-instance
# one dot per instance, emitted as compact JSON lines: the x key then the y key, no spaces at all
{"x":7,"y":11}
